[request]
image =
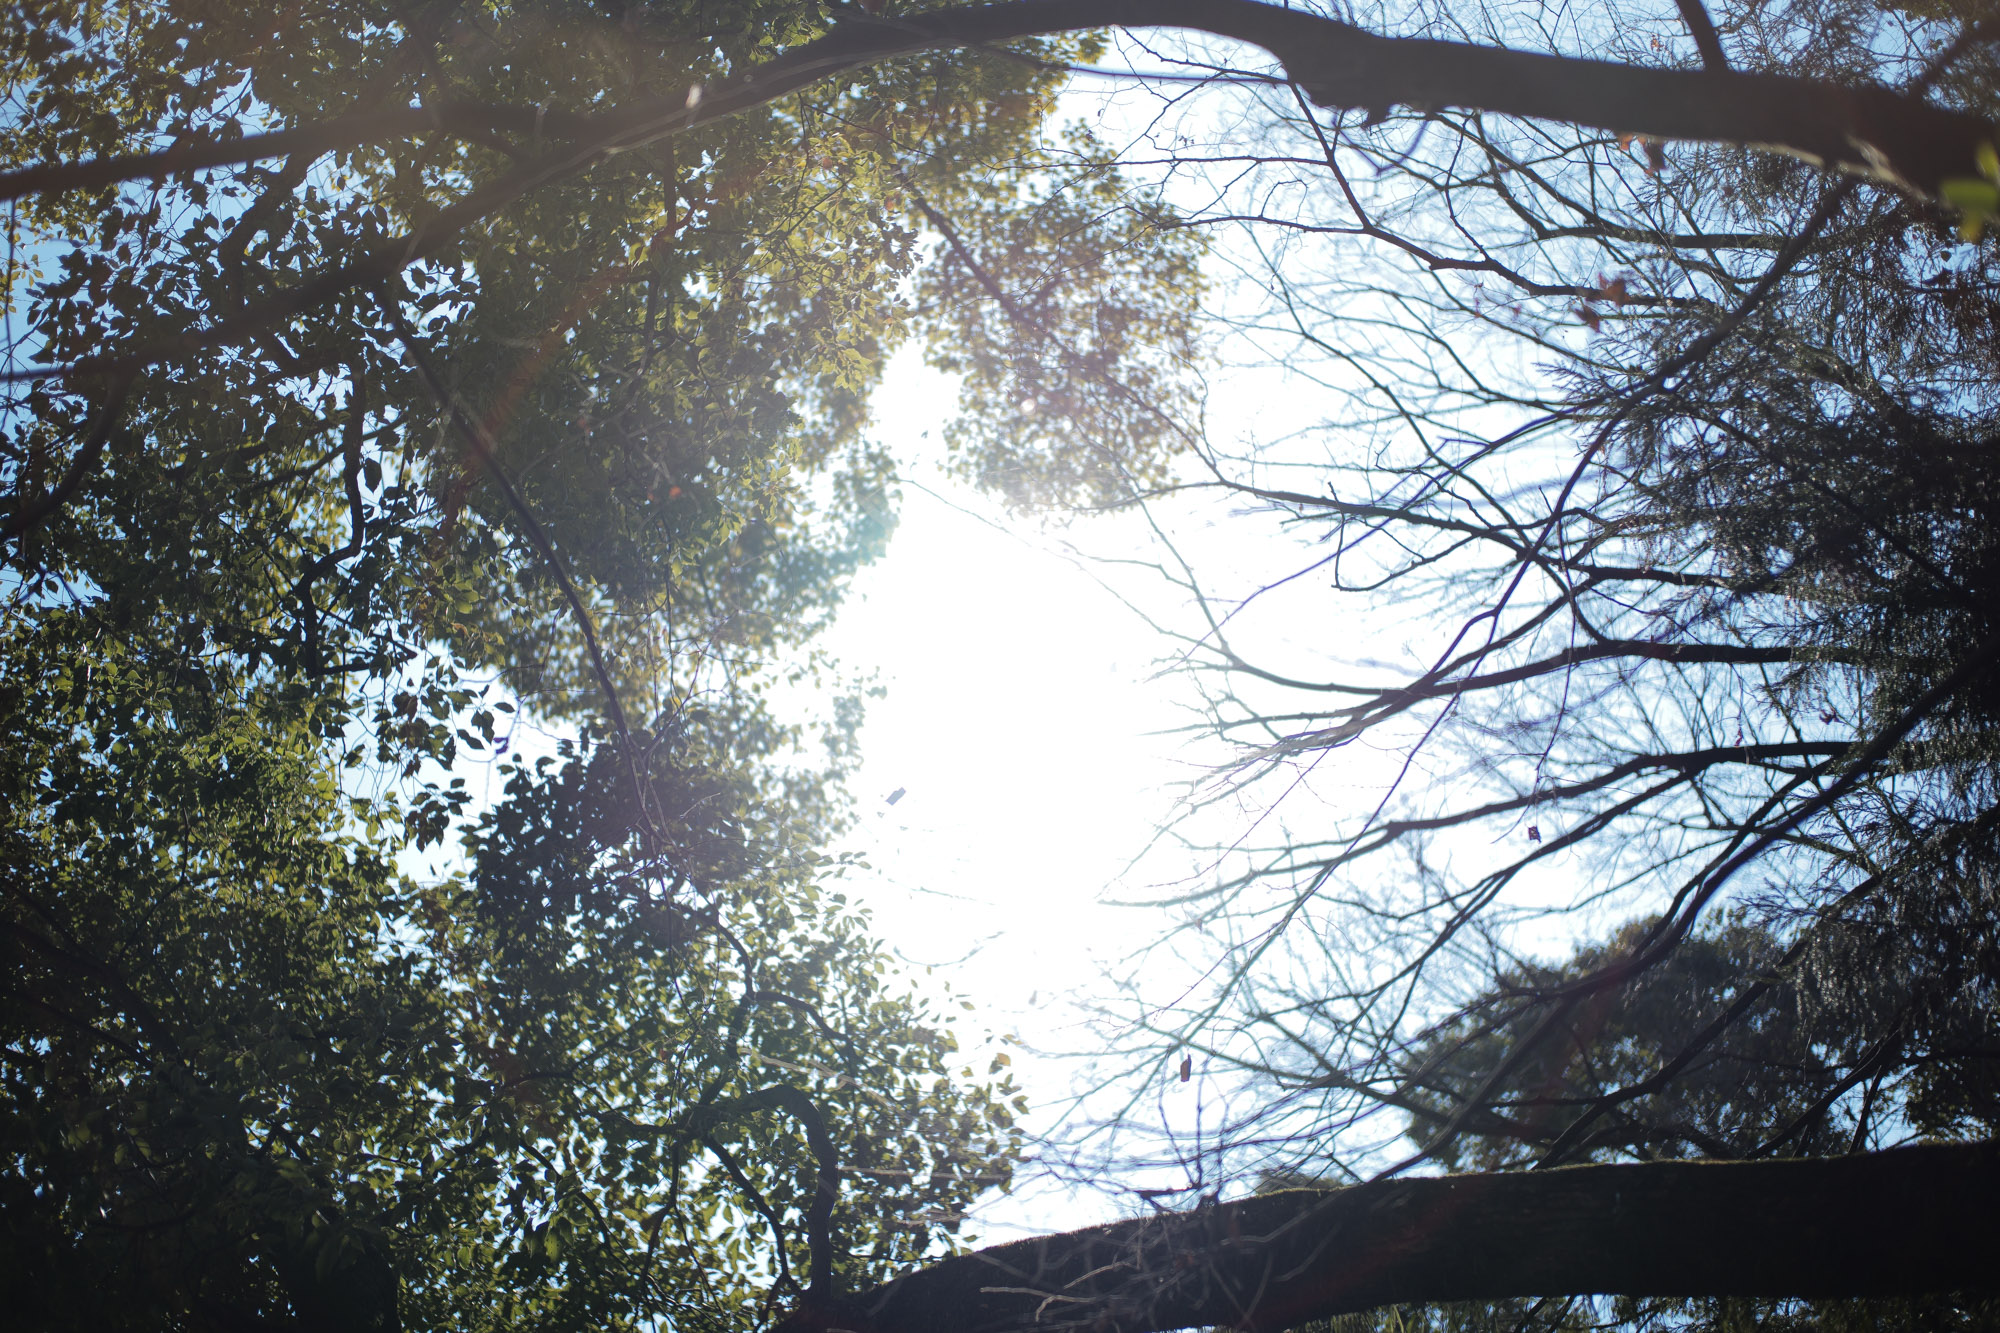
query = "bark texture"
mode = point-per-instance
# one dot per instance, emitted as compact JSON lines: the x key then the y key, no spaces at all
{"x":1903,"y":1222}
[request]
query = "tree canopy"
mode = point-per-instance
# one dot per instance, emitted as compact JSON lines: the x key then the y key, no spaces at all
{"x":391,"y":384}
{"x":299,"y":572}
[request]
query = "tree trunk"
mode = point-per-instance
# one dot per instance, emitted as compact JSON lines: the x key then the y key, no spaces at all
{"x":1904,"y":1222}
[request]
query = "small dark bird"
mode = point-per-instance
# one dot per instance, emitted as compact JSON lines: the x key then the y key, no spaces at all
{"x":896,"y":795}
{"x":1187,"y":1068}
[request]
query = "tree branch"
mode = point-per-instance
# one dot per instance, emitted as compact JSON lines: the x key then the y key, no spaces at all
{"x":1888,"y":136}
{"x":1702,"y":28}
{"x":31,"y":510}
{"x":358,"y":130}
{"x":1871,"y":131}
{"x":826,"y":1189}
{"x":1903,"y":1222}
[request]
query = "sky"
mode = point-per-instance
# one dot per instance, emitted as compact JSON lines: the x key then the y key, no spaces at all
{"x":1032,"y":731}
{"x":1022,"y":724}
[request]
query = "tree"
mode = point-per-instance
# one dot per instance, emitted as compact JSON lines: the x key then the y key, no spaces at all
{"x":1277,"y":1260}
{"x":1700,"y":548}
{"x":1711,"y":609}
{"x":273,"y":600}
{"x":521,"y":360}
{"x":1775,"y":1078}
{"x":255,"y":1076}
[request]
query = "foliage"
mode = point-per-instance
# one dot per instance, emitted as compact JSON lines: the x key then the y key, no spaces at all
{"x":1765,"y":1075}
{"x":562,"y":384}
{"x":251,"y":1067}
{"x":1871,"y":997}
{"x":319,"y":466}
{"x":1768,"y":1081}
{"x":1076,"y":366}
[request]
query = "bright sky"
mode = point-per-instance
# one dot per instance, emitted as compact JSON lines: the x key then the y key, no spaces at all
{"x":1016,"y":723}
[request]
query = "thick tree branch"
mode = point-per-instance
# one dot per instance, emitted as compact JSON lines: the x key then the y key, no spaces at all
{"x":1904,"y":1222}
{"x":463,"y":119}
{"x":1871,"y":131}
